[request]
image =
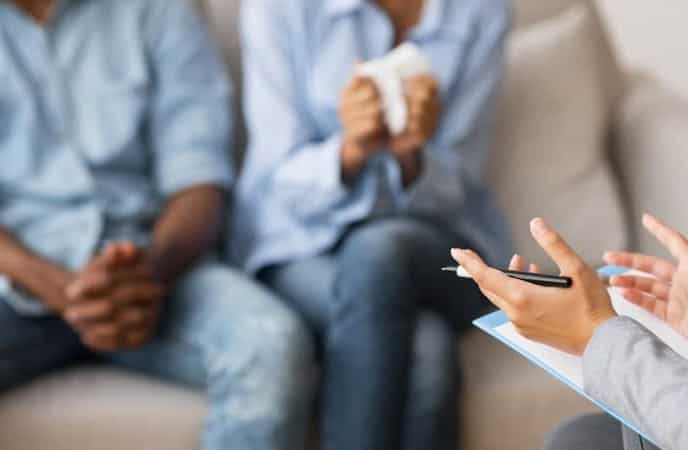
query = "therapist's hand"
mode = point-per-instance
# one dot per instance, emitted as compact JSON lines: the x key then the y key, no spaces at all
{"x":562,"y":318}
{"x":667,"y":295}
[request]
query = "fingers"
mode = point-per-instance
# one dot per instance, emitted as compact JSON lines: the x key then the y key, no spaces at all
{"x":534,"y":268}
{"x":557,"y":248}
{"x":98,"y":283}
{"x":489,"y":279}
{"x":97,"y":311}
{"x":662,"y":269}
{"x":517,"y":263}
{"x":671,"y":239}
{"x":647,"y":302}
{"x":138,"y":293}
{"x":131,"y":329}
{"x":650,"y":286}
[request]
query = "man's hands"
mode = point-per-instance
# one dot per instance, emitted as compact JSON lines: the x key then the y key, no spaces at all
{"x":114,"y":303}
{"x":562,"y":318}
{"x":667,"y":295}
{"x":365,"y":132}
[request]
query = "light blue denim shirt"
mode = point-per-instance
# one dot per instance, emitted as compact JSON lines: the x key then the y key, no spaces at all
{"x":298,"y":57}
{"x":104,"y":113}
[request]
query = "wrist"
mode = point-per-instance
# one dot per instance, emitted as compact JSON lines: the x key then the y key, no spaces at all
{"x":595,"y":325}
{"x":411,"y":165}
{"x":353,"y":160}
{"x":44,"y":281}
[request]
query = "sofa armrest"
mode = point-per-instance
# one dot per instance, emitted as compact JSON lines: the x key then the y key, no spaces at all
{"x":650,"y":149}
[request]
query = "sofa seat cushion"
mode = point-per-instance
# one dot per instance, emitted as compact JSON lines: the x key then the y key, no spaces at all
{"x":97,"y":408}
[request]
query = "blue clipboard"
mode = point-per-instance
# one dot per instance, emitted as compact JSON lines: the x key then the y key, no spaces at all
{"x":489,"y":325}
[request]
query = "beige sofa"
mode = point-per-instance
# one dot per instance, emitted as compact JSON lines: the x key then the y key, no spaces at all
{"x":573,"y":126}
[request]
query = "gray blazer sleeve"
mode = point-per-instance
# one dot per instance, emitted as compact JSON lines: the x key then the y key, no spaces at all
{"x":630,"y":370}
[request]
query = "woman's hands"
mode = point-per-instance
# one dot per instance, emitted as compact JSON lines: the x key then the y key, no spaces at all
{"x":562,"y":318}
{"x":365,"y":132}
{"x":666,"y":296}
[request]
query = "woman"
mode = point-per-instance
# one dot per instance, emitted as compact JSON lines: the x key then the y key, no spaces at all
{"x":625,"y":366}
{"x":351,"y":224}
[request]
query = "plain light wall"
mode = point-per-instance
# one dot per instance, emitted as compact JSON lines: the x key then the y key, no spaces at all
{"x":652,"y":35}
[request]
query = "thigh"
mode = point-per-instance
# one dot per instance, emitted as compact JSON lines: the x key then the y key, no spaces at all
{"x":412,"y":251}
{"x":593,"y":432}
{"x":217,"y":321}
{"x":31,"y":346}
{"x":307,"y":287}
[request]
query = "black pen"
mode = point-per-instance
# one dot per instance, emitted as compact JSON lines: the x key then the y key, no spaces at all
{"x":533,"y":278}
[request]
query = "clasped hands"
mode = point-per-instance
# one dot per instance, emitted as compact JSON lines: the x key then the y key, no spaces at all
{"x":114,"y":303}
{"x":362,"y":115}
{"x":568,"y":319}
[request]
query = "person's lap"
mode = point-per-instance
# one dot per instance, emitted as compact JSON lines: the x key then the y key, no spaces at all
{"x":416,"y":251}
{"x":220,"y":332}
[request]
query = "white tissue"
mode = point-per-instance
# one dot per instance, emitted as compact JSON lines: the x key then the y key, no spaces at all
{"x":388,"y":74}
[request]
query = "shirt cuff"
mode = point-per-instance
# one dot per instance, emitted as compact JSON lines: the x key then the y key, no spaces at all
{"x":597,"y":356}
{"x":23,"y":304}
{"x":194,"y":168}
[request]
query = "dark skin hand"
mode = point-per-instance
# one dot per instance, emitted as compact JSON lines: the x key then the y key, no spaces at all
{"x":37,"y":276}
{"x":115,"y":303}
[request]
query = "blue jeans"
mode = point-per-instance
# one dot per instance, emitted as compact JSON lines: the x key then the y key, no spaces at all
{"x":386,"y":318}
{"x":221,"y":333}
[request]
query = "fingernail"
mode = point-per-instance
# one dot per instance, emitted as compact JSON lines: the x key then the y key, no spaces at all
{"x":456,"y":253}
{"x":538,"y":226}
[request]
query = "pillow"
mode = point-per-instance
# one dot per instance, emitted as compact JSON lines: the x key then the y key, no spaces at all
{"x":550,"y":157}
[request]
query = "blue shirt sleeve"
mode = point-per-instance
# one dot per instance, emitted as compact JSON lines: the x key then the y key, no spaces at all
{"x":190,"y":121}
{"x":455,"y":159}
{"x":299,"y":167}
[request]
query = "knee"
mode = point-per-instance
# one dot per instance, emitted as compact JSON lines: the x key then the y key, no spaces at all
{"x":384,"y":242}
{"x":376,"y":263}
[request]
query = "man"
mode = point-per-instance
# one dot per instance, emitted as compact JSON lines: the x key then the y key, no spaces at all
{"x":115,"y":129}
{"x":625,"y":366}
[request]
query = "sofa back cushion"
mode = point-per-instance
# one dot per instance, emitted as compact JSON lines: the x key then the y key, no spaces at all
{"x":550,"y":158}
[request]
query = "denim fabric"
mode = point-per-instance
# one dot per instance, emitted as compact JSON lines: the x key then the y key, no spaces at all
{"x":386,"y":318}
{"x":298,"y":56}
{"x":105,"y":113}
{"x":221,"y":333}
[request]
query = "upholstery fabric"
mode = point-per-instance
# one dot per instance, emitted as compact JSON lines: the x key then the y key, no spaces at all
{"x":550,"y":158}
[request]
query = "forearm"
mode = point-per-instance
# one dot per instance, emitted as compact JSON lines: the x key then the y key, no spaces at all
{"x":189,"y":226}
{"x":37,"y":276}
{"x":641,"y":378}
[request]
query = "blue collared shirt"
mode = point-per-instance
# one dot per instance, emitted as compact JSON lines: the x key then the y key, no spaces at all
{"x":298,"y":57}
{"x":105,"y":112}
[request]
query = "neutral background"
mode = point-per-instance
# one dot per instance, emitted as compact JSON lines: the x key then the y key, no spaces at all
{"x":652,"y":35}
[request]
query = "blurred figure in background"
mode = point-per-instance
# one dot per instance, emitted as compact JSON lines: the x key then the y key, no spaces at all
{"x":350,"y":223}
{"x":114,"y":139}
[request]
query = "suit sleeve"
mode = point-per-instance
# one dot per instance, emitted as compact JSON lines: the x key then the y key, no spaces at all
{"x":633,"y":372}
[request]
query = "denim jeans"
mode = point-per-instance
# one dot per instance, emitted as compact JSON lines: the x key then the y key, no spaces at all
{"x":595,"y":432}
{"x":221,"y":333}
{"x":386,"y":318}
